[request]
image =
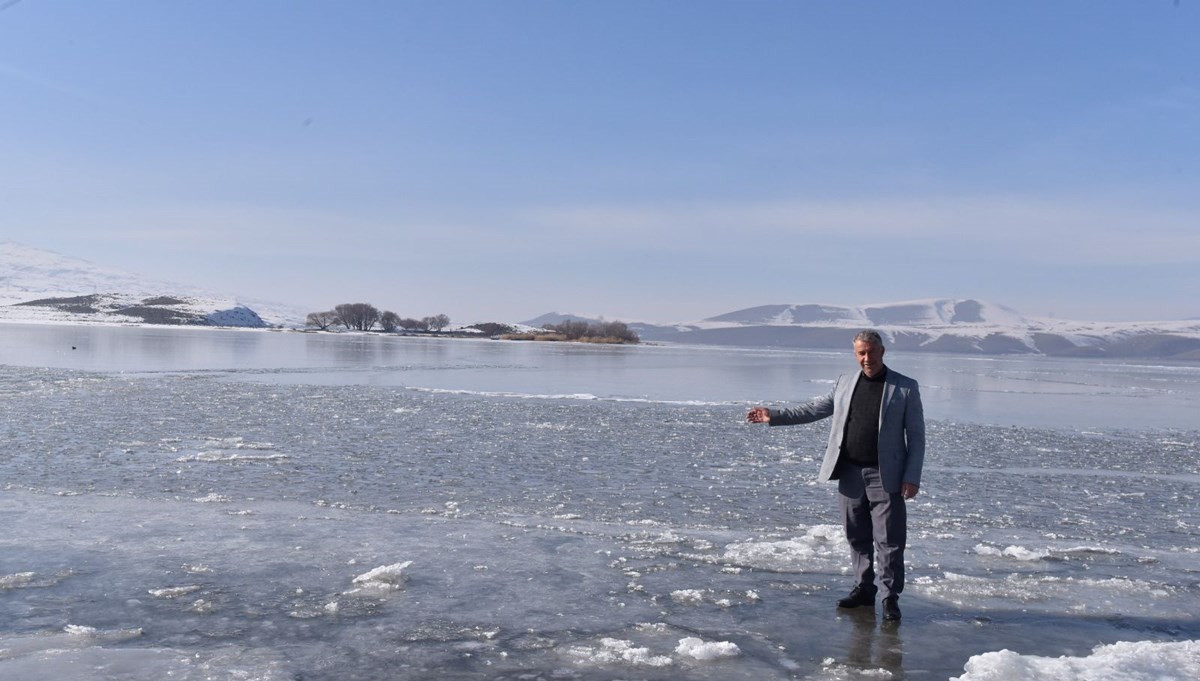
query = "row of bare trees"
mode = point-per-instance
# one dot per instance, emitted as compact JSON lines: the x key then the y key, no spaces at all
{"x":575,"y":330}
{"x":365,"y":317}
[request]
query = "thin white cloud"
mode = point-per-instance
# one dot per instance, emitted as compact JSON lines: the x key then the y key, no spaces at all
{"x":1084,"y":231}
{"x":1009,"y":229}
{"x":260,"y":229}
{"x":15,"y":73}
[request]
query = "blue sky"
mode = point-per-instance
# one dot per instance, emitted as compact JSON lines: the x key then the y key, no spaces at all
{"x":659,"y":161}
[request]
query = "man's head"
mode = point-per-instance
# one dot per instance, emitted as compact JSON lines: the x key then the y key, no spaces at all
{"x":868,"y":349}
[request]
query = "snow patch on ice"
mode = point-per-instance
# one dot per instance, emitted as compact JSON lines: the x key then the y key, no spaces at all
{"x":29,"y":580}
{"x":174,"y":591}
{"x":18,"y":580}
{"x":1124,"y":661}
{"x":706,"y":651}
{"x":383,"y":578}
{"x":790,"y":555}
{"x":79,"y":630}
{"x":211,"y":498}
{"x":688,"y":596}
{"x":223,"y":457}
{"x":617,"y":651}
{"x":1025,"y":589}
{"x":71,"y":636}
{"x":1015,"y":552}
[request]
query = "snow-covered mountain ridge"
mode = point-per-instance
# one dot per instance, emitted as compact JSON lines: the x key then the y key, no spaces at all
{"x":42,"y":286}
{"x":939,"y":312}
{"x":958,"y":325}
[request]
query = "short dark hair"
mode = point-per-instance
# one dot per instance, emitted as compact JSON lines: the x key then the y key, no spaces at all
{"x":869,"y":336}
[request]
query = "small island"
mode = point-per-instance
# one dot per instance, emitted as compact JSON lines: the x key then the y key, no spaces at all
{"x":614,"y":332}
{"x":366,"y":317}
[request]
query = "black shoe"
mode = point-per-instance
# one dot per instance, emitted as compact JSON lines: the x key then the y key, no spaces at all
{"x":858,"y":596}
{"x":891,"y":609}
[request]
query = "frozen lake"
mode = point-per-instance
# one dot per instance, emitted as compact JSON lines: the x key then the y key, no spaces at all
{"x":198,"y":504}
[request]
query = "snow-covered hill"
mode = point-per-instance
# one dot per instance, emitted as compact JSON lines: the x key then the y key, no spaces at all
{"x":42,"y":286}
{"x":937,"y":325}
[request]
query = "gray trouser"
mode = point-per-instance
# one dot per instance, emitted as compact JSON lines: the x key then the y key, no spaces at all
{"x":876,"y":524}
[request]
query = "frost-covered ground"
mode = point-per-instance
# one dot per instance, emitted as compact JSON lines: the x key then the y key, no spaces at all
{"x":242,"y":525}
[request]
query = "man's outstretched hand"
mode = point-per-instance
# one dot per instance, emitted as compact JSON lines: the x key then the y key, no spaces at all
{"x":759,"y":415}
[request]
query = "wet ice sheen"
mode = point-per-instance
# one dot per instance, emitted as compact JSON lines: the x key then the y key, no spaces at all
{"x":194,"y":527}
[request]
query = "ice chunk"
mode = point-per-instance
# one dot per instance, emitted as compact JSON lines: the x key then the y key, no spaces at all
{"x":688,"y":596}
{"x":791,"y":555}
{"x":1014,"y":552}
{"x":617,"y":651}
{"x":17,"y":580}
{"x":384,"y":578}
{"x":706,"y":651}
{"x":1124,"y":661}
{"x":174,"y":591}
{"x":211,"y":498}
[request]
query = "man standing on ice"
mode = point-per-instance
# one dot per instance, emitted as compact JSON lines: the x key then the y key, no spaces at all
{"x":876,"y":450}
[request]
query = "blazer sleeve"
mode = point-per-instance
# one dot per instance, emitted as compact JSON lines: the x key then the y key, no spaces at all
{"x":813,"y":410}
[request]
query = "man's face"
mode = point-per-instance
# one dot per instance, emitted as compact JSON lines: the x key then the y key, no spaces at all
{"x":870,"y":357}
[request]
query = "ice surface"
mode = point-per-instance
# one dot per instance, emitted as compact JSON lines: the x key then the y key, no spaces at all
{"x":230,"y":525}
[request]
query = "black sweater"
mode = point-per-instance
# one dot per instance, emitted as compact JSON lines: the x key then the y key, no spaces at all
{"x":860,"y":441}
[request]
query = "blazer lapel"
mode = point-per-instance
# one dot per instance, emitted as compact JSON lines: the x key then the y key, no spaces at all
{"x":889,"y":390}
{"x":846,"y":390}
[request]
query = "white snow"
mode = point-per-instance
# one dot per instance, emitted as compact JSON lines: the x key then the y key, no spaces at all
{"x":688,"y":596}
{"x":17,"y":580}
{"x":28,"y":273}
{"x":819,"y":545}
{"x":385,"y":577}
{"x":617,"y":651}
{"x":939,"y":318}
{"x":706,"y":651}
{"x":211,"y":498}
{"x":222,"y":457}
{"x":174,"y":591}
{"x":1015,"y":552}
{"x":1124,"y":661}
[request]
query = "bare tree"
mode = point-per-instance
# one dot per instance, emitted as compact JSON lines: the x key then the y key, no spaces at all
{"x":438,"y":322}
{"x":619,"y":330}
{"x":358,"y":316}
{"x":345,"y":315}
{"x":322,"y":320}
{"x":389,"y":321}
{"x":575,"y":330}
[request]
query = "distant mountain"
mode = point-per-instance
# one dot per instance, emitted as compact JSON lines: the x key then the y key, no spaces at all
{"x":42,"y":286}
{"x":939,"y":325}
{"x":555,"y":318}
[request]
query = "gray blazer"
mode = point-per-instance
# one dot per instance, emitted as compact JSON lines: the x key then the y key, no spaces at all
{"x":901,"y":427}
